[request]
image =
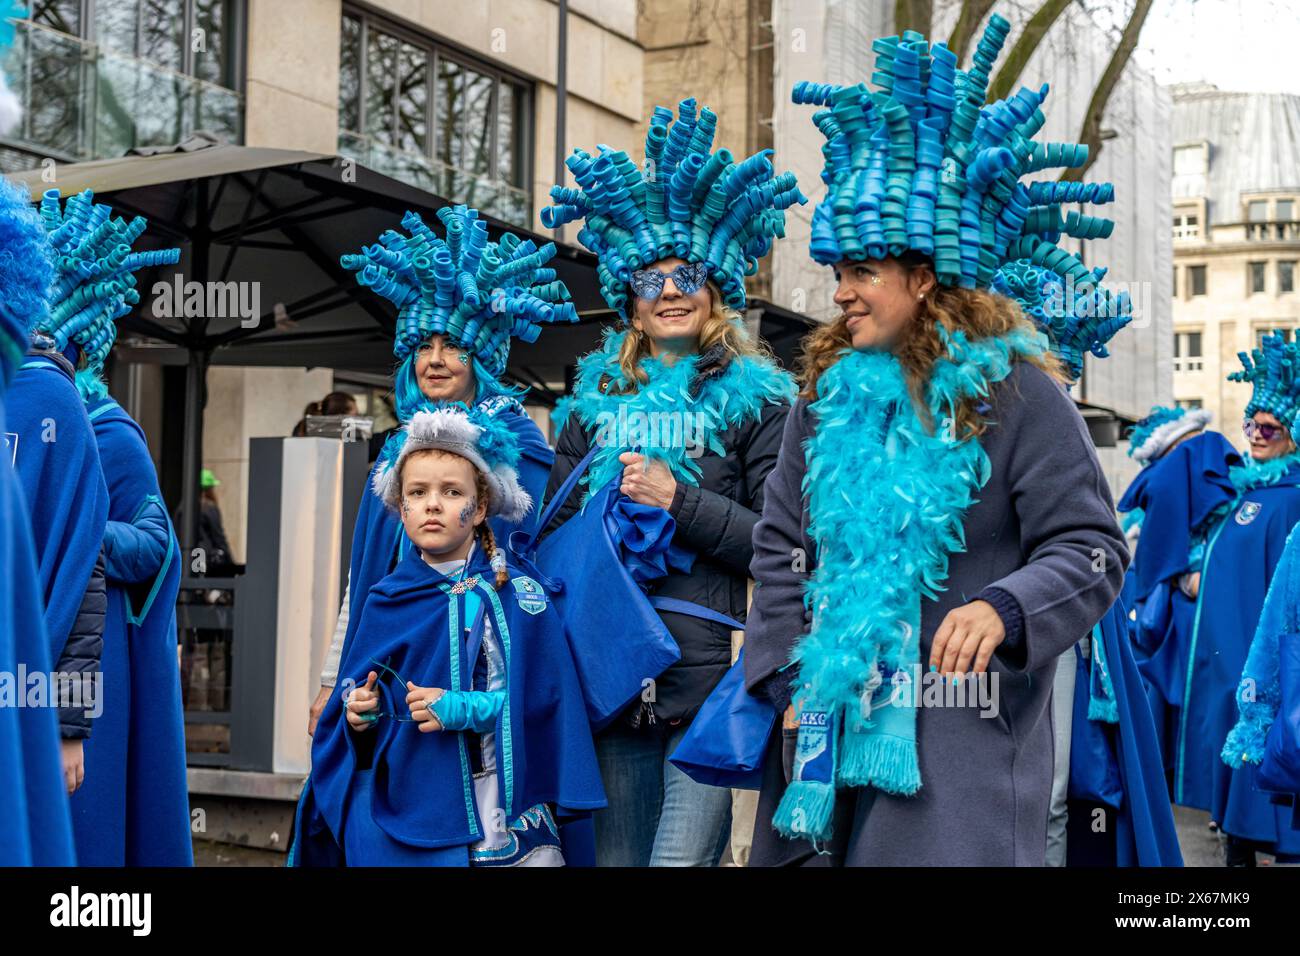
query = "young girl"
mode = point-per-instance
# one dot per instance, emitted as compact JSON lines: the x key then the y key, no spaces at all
{"x":460,"y":735}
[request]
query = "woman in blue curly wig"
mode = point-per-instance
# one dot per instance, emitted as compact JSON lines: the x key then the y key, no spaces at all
{"x":460,"y":301}
{"x":958,"y":530}
{"x":683,"y":408}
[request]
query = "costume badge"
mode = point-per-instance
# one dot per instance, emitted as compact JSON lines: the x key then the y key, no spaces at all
{"x":529,"y":595}
{"x":1247,"y":512}
{"x":9,"y":447}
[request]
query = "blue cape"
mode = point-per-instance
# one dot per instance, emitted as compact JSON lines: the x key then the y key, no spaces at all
{"x":378,"y":534}
{"x":1177,"y":494}
{"x":133,"y":809}
{"x":35,"y":829}
{"x":1241,"y":555}
{"x":57,"y":462}
{"x":421,"y":788}
{"x":1143,"y":833}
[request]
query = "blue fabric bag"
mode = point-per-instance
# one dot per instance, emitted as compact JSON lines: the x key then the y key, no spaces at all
{"x":619,"y":643}
{"x":1094,"y":768}
{"x":727,"y":741}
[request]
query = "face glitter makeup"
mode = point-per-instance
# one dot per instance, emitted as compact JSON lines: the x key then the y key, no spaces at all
{"x":467,"y":513}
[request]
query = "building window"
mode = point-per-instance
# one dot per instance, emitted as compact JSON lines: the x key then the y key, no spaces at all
{"x":1286,"y":276}
{"x":98,"y":79}
{"x":1175,"y":282}
{"x":1187,"y":352}
{"x":1188,"y":403}
{"x":1255,"y":277}
{"x":1196,"y":280}
{"x":430,"y":116}
{"x":1187,"y":224}
{"x":1285,"y":210}
{"x":1260,"y":333}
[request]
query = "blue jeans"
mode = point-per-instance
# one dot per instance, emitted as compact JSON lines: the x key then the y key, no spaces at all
{"x":657,"y":816}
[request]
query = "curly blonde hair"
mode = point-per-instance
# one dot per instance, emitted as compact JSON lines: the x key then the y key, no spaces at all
{"x":978,"y":313}
{"x":724,"y":325}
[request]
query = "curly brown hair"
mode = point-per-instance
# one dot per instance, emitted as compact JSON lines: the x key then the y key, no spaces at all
{"x":978,"y":313}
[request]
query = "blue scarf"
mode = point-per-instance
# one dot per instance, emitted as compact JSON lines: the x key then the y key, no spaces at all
{"x":887,"y":495}
{"x":662,"y":418}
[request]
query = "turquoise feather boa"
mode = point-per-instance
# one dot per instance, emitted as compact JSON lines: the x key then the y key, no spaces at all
{"x":660,"y":417}
{"x":887,"y":496}
{"x":1259,"y":474}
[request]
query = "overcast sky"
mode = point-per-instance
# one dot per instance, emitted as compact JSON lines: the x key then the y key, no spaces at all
{"x":1249,"y":45}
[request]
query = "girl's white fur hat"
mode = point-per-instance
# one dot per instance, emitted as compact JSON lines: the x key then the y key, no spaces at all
{"x":487,"y":443}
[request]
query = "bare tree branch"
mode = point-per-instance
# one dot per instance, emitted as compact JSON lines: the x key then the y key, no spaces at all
{"x":972,"y":15}
{"x":913,"y":15}
{"x":1030,"y":37}
{"x":1090,"y":136}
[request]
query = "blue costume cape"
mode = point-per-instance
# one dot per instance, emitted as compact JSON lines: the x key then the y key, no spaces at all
{"x":1177,"y":495}
{"x":1241,"y":555}
{"x":379,"y":534}
{"x":133,"y":809}
{"x":420,"y":791}
{"x":35,"y":828}
{"x":1143,"y":832}
{"x":57,"y":462}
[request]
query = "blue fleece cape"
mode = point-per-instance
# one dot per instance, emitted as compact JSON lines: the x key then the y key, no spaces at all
{"x":57,"y":462}
{"x":133,"y":809}
{"x":378,"y":534}
{"x":1143,"y":832}
{"x":1177,"y":494}
{"x":1241,"y":555}
{"x":421,"y":790}
{"x":35,"y":829}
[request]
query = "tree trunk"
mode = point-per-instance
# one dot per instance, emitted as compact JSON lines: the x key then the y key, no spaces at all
{"x":913,"y":15}
{"x":1090,"y":135}
{"x":972,"y":15}
{"x":1009,"y":76}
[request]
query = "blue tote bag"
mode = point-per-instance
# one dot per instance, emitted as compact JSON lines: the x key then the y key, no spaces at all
{"x":619,"y":644}
{"x":727,"y":741}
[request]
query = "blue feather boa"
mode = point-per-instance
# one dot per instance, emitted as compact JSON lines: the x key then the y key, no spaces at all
{"x":660,"y":418}
{"x":887,"y":496}
{"x":1259,"y":474}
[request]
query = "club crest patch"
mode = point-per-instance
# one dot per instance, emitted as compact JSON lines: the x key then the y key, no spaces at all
{"x":529,"y":595}
{"x":1247,"y":512}
{"x":9,"y":447}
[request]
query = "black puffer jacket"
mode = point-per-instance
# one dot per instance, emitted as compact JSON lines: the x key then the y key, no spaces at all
{"x":81,"y":655}
{"x":715,"y":519}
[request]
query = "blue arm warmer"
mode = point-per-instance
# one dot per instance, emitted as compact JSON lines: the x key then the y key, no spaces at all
{"x":474,"y":710}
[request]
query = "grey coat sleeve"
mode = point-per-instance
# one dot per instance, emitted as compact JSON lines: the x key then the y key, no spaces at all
{"x":780,"y":567}
{"x":1075,"y":554}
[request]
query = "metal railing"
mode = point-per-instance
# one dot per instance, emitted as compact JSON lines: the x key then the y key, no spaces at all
{"x":491,"y":197}
{"x":82,"y":101}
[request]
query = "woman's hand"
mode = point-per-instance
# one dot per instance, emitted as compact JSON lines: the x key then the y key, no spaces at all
{"x":74,"y":764}
{"x":647,"y":481}
{"x":970,"y":633}
{"x":419,"y":699}
{"x":361,"y":704}
{"x":1190,"y":584}
{"x":316,"y":707}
